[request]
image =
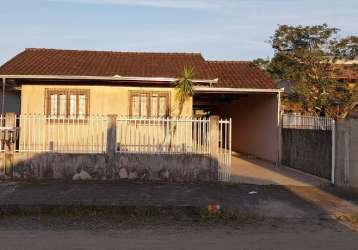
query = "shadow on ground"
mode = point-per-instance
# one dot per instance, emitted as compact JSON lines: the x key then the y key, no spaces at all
{"x":328,"y":200}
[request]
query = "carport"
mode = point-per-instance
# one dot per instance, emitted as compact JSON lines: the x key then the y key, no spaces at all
{"x":256,"y":134}
{"x":254,"y":114}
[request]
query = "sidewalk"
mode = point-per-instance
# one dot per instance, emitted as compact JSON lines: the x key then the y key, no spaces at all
{"x":269,"y":201}
{"x":254,"y":171}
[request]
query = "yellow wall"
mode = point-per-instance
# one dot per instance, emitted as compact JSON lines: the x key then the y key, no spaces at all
{"x":255,"y":125}
{"x":103,"y":99}
{"x":38,"y":134}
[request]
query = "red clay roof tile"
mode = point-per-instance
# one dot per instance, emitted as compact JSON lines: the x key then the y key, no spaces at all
{"x":138,"y":64}
{"x":347,"y":72}
{"x":239,"y":74}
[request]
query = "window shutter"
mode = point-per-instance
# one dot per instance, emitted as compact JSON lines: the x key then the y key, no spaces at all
{"x":163,"y":106}
{"x":81,"y":106}
{"x":154,"y":106}
{"x":53,"y":106}
{"x":73,"y":106}
{"x":144,"y":105}
{"x":62,"y":106}
{"x":135,"y":106}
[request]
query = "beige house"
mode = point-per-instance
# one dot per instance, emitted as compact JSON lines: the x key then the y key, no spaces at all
{"x":76,"y":88}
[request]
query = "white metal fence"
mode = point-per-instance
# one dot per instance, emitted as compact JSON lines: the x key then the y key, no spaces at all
{"x":163,"y":135}
{"x":39,"y":133}
{"x":296,"y":121}
{"x":225,"y":132}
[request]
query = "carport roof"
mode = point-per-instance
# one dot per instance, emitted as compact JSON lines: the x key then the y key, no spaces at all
{"x":239,"y":74}
{"x":47,"y":63}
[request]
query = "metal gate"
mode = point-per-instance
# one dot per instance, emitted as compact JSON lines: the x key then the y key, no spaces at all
{"x":308,"y":144}
{"x":225,"y":132}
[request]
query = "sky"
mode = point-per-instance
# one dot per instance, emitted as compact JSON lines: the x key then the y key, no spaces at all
{"x":219,"y":29}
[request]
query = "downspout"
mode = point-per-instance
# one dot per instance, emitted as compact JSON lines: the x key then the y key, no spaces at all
{"x":2,"y":121}
{"x":3,"y":96}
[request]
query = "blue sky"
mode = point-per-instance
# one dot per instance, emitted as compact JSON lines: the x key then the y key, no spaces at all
{"x":219,"y":29}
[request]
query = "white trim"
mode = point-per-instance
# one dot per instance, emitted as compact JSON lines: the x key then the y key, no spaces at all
{"x":279,"y":131}
{"x":106,"y":78}
{"x":234,"y":90}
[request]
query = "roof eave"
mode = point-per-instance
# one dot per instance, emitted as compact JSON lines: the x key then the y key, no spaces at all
{"x":104,"y":78}
{"x":235,"y":90}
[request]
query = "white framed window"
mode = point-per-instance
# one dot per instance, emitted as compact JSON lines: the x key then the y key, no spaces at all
{"x":67,"y":103}
{"x":149,"y":104}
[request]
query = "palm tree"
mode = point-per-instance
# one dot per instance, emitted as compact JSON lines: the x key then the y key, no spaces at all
{"x":184,"y":87}
{"x":184,"y":90}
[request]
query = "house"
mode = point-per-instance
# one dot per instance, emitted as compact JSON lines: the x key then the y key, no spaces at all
{"x":343,"y":71}
{"x":64,"y":86}
{"x":347,"y":71}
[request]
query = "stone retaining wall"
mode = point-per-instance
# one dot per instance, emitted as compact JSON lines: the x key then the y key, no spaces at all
{"x":169,"y":167}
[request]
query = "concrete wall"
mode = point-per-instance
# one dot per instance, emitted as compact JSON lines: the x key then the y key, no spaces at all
{"x":254,"y":125}
{"x":346,"y":167}
{"x":308,"y":150}
{"x":168,"y":167}
{"x":103,"y":99}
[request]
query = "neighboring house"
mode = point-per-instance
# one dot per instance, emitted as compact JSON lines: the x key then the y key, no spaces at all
{"x":347,"y":71}
{"x":65,"y":85}
{"x":285,"y":85}
{"x":11,"y":102}
{"x":353,"y":113}
{"x":343,"y":71}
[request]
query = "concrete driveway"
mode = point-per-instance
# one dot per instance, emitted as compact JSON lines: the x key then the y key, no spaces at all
{"x":249,"y":170}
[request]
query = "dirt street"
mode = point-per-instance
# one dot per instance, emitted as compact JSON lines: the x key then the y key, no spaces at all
{"x":53,"y":216}
{"x":45,"y":233}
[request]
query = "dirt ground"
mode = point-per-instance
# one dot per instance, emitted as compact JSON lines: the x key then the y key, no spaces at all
{"x":285,"y":217}
{"x":60,"y":233}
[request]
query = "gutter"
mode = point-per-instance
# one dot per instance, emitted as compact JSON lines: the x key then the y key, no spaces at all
{"x":104,"y":78}
{"x":200,"y":89}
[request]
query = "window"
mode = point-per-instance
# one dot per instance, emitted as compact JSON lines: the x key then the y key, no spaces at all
{"x":67,"y":103}
{"x":149,"y":104}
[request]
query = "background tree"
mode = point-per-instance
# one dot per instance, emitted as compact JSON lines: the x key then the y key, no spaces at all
{"x":305,"y":56}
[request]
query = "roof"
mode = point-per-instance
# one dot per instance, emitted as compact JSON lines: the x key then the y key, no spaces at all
{"x":234,"y":74}
{"x":54,"y":62}
{"x":347,"y":72}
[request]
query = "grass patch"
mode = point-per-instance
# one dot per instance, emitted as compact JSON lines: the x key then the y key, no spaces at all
{"x":131,"y":214}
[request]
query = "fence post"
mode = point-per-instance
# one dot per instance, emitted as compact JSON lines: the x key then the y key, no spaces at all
{"x":111,"y":136}
{"x":347,"y":135}
{"x":279,"y":139}
{"x":10,"y":122}
{"x":214,"y":143}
